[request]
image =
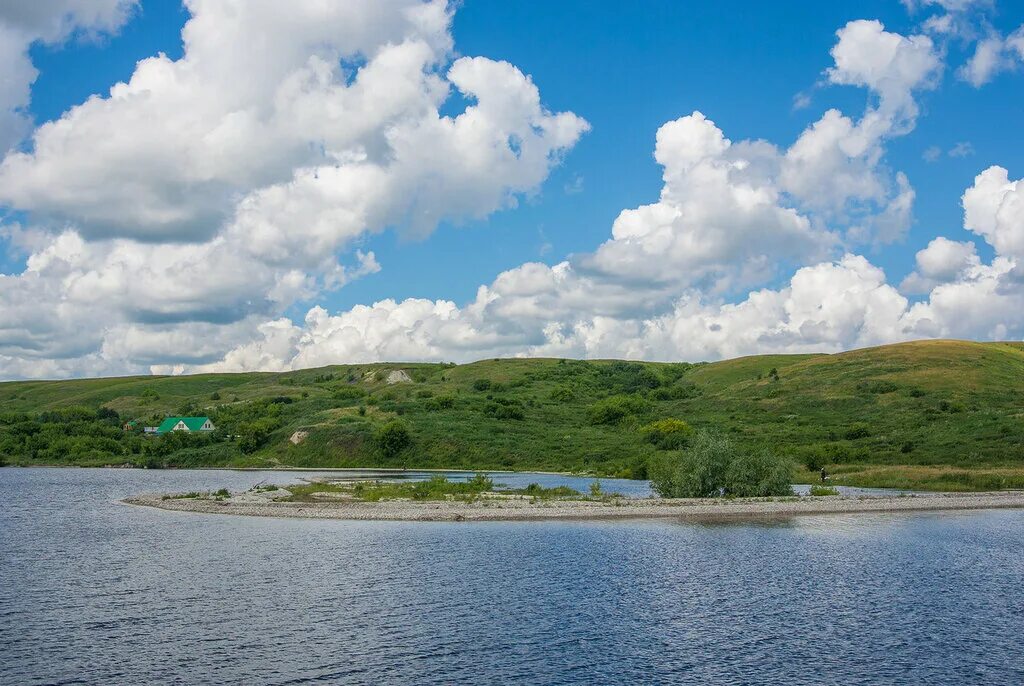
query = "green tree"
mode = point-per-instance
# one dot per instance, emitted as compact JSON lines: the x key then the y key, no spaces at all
{"x":253,"y":435}
{"x":713,"y":466}
{"x":697,"y":473}
{"x":393,"y":437}
{"x":758,"y":475}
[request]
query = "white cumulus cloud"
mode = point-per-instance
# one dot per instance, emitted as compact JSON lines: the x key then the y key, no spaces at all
{"x":240,"y":178}
{"x":45,"y":21}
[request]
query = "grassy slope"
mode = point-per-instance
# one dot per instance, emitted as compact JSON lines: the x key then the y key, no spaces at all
{"x":923,"y":403}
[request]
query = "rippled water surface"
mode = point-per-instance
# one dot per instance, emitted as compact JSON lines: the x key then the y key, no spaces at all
{"x":92,"y":591}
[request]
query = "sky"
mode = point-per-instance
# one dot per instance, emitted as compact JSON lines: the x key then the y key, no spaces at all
{"x":223,"y":185}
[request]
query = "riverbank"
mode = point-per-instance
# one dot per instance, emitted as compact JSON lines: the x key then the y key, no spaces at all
{"x":524,"y":509}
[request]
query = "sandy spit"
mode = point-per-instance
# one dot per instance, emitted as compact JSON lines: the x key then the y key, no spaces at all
{"x":524,"y":510}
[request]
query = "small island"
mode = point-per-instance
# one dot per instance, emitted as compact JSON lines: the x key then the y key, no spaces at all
{"x":479,"y":499}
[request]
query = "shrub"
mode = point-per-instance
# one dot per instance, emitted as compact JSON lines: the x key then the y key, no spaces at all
{"x":697,"y":473}
{"x":712,"y":466}
{"x":627,"y":377}
{"x":501,"y":408}
{"x":562,"y":394}
{"x":615,"y":409}
{"x":253,"y":435}
{"x":682,"y":390}
{"x":637,"y":469}
{"x":348,"y":393}
{"x":813,"y":460}
{"x":537,"y":491}
{"x":215,"y":396}
{"x":393,"y":437}
{"x":951,"y":406}
{"x":879,"y":386}
{"x":758,"y":475}
{"x":917,"y":393}
{"x":819,"y":490}
{"x":481,"y":384}
{"x":442,"y":402}
{"x":668,"y":434}
{"x":857,"y":431}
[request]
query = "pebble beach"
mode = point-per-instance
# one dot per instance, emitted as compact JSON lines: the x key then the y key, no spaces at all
{"x":487,"y":509}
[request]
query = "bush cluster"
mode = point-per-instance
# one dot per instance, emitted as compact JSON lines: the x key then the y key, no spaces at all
{"x":392,"y":438}
{"x":562,"y":394}
{"x":503,"y":408}
{"x":713,"y":466}
{"x":616,"y":408}
{"x":441,"y":402}
{"x":668,"y":434}
{"x":857,"y":431}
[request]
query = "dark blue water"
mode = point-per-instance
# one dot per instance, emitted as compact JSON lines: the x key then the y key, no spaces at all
{"x":92,"y":591}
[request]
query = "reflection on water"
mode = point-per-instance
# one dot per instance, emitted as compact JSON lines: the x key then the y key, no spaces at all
{"x":99,"y":592}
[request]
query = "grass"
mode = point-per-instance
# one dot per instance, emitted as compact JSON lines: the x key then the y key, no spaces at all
{"x":434,"y":488}
{"x":925,"y":477}
{"x":819,"y":490}
{"x":183,"y":496}
{"x":930,"y":414}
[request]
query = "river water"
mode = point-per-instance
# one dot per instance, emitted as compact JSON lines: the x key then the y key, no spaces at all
{"x":96,"y":592}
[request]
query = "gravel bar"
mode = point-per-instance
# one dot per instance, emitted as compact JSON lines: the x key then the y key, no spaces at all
{"x":624,"y":508}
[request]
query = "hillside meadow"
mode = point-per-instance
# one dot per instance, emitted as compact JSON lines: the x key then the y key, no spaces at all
{"x":930,"y":414}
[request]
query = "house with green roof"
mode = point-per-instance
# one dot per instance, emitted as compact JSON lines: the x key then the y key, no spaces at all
{"x":185,"y":424}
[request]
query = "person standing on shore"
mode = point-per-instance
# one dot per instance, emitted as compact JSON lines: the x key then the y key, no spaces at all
{"x":824,"y":475}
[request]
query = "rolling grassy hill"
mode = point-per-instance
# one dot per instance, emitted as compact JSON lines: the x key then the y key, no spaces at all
{"x":930,"y":405}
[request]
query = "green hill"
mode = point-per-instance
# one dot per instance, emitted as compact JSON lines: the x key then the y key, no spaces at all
{"x":945,"y":403}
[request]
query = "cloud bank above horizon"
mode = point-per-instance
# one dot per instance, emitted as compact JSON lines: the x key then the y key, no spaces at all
{"x":170,"y":225}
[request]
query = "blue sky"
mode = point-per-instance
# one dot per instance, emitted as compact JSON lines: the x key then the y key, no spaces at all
{"x":627,"y":69}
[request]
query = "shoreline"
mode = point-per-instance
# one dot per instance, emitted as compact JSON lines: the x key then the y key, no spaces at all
{"x":250,"y":505}
{"x":387,"y":470}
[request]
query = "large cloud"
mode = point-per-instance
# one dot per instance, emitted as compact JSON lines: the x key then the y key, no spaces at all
{"x":222,"y":187}
{"x":731,"y":214}
{"x":47,"y":21}
{"x":269,"y":94}
{"x":540,"y":310}
{"x":345,"y":136}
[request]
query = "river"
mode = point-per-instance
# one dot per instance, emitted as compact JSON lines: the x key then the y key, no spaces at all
{"x":96,"y":592}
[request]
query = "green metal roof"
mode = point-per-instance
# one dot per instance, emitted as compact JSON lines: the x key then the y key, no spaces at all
{"x":193,"y":423}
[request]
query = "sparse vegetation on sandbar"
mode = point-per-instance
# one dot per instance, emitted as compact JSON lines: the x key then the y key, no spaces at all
{"x":434,"y":488}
